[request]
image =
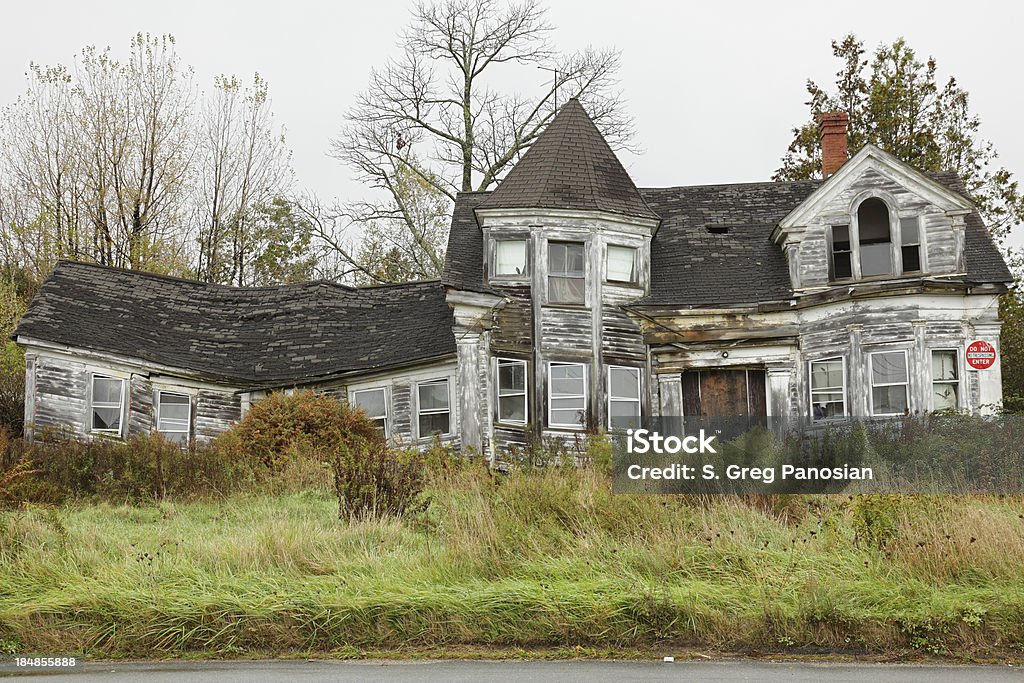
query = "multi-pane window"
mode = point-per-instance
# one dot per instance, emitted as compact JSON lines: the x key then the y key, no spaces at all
{"x":567,"y":394}
{"x":374,"y":403}
{"x":623,"y":397}
{"x":945,"y":380}
{"x":566,"y":279}
{"x":510,"y":257}
{"x":512,"y":391}
{"x":875,"y":237}
{"x":828,"y":388}
{"x":174,"y":416}
{"x":889,"y":383}
{"x":433,"y":408}
{"x":107,"y":404}
{"x":910,"y":244}
{"x":621,"y":264}
{"x":842,"y":252}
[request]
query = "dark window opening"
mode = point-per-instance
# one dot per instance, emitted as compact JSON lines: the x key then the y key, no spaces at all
{"x":910,"y":247}
{"x":717,"y":229}
{"x":875,"y":238}
{"x":842,"y":262}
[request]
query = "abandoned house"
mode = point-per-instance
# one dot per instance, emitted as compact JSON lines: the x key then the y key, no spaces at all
{"x":569,"y":297}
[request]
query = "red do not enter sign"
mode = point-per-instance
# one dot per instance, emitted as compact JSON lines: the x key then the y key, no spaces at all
{"x":981,"y":355}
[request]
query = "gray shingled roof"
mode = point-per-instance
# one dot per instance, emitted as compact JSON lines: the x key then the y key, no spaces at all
{"x":570,"y":166}
{"x":692,"y":266}
{"x":252,"y":336}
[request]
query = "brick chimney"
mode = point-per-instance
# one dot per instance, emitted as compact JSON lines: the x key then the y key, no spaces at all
{"x":832,"y":131}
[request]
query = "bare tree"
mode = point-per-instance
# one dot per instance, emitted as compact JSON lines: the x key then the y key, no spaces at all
{"x":244,"y":168}
{"x":122,"y":163}
{"x":136,"y":145}
{"x":436,"y":113}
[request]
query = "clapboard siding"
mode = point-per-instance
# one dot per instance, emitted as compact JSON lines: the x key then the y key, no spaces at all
{"x":566,"y":329}
{"x":513,"y":322}
{"x":215,"y":412}
{"x":140,"y":406}
{"x":61,"y":395}
{"x":621,"y":338}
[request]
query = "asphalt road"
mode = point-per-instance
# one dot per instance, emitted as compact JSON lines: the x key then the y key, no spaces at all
{"x":563,"y":671}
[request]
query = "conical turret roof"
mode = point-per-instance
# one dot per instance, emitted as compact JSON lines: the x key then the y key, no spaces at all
{"x":571,"y":167}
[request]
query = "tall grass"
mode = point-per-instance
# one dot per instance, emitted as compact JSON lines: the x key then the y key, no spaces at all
{"x":532,"y":559}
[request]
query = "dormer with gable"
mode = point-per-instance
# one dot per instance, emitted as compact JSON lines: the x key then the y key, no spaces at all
{"x":874,"y":220}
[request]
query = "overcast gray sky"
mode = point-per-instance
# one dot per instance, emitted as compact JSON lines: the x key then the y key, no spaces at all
{"x":714,"y":87}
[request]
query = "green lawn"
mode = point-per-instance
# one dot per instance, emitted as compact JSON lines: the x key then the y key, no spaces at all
{"x":527,"y":561}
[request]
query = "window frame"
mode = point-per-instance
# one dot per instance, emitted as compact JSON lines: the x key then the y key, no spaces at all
{"x":585,"y":396}
{"x":525,"y":392}
{"x":872,"y":385}
{"x":496,"y":241}
{"x":583,"y":245}
{"x":896,"y":246}
{"x":387,"y":406}
{"x":919,"y":245}
{"x":639,"y":400}
{"x":959,"y":376}
{"x":813,"y":391}
{"x":434,"y":411}
{"x":832,"y":252}
{"x":106,"y":404}
{"x":635,"y":269}
{"x":188,"y":421}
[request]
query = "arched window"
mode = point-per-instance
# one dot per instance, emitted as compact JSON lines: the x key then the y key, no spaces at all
{"x":875,"y":234}
{"x":875,"y":244}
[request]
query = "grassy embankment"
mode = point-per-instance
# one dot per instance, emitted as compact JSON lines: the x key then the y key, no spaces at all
{"x":528,"y":561}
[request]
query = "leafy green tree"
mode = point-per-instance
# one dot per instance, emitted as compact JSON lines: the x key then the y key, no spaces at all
{"x":1011,"y":338}
{"x":896,"y":102}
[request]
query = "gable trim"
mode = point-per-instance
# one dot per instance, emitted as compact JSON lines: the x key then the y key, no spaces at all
{"x":888,"y":165}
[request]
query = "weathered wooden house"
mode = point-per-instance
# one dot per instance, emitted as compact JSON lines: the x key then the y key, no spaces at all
{"x":569,"y":297}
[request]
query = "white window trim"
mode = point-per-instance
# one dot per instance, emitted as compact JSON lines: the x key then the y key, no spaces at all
{"x":387,"y":405}
{"x":573,"y":425}
{"x":872,"y":385}
{"x":636,"y":268}
{"x":812,"y":390}
{"x":959,"y":377}
{"x":525,"y":393}
{"x":434,"y":411}
{"x":188,"y":422}
{"x":586,"y":245}
{"x":93,"y":404}
{"x":525,"y":275}
{"x":639,"y":392}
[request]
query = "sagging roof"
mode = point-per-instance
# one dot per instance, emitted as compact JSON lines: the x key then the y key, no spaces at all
{"x":570,"y":166}
{"x":713,"y":247}
{"x":252,"y":336}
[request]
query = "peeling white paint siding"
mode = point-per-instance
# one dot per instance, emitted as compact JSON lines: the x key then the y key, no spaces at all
{"x":596,"y":333}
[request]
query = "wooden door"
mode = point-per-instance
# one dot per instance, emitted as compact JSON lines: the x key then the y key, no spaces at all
{"x":719,"y":392}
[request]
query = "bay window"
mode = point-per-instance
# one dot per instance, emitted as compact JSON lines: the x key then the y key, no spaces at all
{"x":945,"y":380}
{"x":889,"y":379}
{"x":828,"y":388}
{"x":567,"y":394}
{"x":566,"y":273}
{"x":512,"y":402}
{"x":623,"y":397}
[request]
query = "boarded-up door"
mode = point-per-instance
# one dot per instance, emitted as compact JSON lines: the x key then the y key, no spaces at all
{"x":724,"y":393}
